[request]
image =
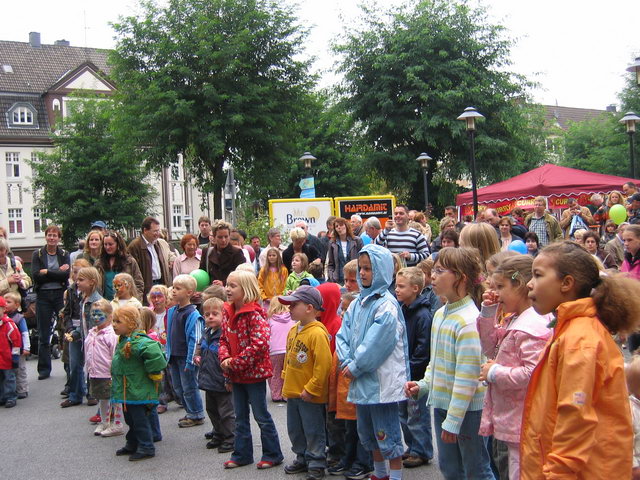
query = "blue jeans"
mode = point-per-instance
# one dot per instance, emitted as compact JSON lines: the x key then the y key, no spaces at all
{"x":8,"y":385}
{"x":379,"y":428}
{"x":185,"y":383}
{"x":254,"y":395}
{"x":415,"y":420}
{"x":305,"y":424}
{"x":48,"y":304}
{"x":355,"y":455}
{"x":154,"y":421}
{"x":77,"y":384}
{"x":468,"y":458}
{"x":139,"y":437}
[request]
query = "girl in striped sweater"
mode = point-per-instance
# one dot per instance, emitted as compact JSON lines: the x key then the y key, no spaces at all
{"x":451,"y":379}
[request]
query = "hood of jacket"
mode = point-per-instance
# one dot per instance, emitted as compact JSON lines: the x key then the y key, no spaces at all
{"x":330,"y":293}
{"x":284,"y":317}
{"x":382,"y":270}
{"x":423,"y":301}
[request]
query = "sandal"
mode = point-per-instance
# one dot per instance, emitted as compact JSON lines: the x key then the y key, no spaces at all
{"x":264,"y":464}
{"x":231,"y":464}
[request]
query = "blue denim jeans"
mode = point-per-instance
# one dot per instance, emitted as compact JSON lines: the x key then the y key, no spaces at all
{"x":254,"y":395}
{"x":468,"y":458}
{"x":154,"y":421}
{"x":77,"y":384}
{"x":415,"y":419}
{"x":139,"y":437}
{"x":185,"y":383}
{"x":379,"y":428}
{"x":8,"y":385}
{"x":306,"y":427}
{"x":355,"y":455}
{"x":48,"y":304}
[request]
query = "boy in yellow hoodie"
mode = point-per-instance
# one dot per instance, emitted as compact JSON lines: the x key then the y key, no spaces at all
{"x":306,"y":382}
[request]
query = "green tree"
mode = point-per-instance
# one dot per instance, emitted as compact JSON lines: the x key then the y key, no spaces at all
{"x":83,"y":179}
{"x":220,"y":80}
{"x":411,"y":71}
{"x":597,"y":145}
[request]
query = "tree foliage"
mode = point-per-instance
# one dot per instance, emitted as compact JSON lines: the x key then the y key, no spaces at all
{"x":410,"y":72}
{"x":220,"y":80}
{"x":83,"y":179}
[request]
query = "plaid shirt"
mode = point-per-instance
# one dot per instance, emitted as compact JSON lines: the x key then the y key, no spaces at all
{"x":539,"y":227}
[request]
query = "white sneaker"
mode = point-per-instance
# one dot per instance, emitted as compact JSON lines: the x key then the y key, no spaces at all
{"x":100,"y":428}
{"x":113,"y":431}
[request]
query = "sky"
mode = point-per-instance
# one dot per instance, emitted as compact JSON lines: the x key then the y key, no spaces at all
{"x":576,"y":50}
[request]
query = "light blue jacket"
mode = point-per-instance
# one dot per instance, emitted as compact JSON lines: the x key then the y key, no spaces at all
{"x":372,"y":340}
{"x":193,"y":327}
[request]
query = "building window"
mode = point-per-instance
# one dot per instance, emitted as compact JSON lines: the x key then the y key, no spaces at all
{"x":35,"y":157}
{"x":22,"y":116}
{"x":177,"y":216}
{"x":15,"y":220}
{"x":39,"y":223}
{"x":13,"y":164}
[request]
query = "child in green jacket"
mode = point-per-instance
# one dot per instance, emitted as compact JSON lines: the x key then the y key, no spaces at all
{"x":136,"y":372}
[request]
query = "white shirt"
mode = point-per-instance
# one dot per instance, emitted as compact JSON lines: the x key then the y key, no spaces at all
{"x":156,"y":273}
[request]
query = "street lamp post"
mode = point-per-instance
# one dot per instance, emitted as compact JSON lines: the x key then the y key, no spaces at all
{"x":635,"y":67}
{"x":630,"y":120}
{"x":307,"y":158}
{"x":469,"y":115}
{"x":423,"y":158}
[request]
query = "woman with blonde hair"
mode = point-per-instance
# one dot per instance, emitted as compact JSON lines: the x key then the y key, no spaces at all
{"x":92,"y":246}
{"x":481,"y":236}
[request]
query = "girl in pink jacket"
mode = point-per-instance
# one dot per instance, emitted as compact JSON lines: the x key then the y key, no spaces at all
{"x":99,"y":347}
{"x":513,"y":343}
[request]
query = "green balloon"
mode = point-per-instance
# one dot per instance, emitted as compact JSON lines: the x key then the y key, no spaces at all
{"x":202,"y":279}
{"x":618,"y":214}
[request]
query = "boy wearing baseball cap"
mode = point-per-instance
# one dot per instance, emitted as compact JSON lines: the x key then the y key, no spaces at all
{"x":306,"y":382}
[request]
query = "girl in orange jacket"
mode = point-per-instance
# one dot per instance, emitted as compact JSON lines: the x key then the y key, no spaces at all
{"x":576,"y":420}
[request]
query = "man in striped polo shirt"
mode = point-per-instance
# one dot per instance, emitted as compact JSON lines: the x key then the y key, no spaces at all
{"x":399,"y":238}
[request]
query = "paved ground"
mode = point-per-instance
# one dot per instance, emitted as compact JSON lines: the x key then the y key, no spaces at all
{"x":43,"y":441}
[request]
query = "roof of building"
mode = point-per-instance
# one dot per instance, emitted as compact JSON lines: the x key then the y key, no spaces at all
{"x":36,"y":69}
{"x":41,"y":129}
{"x":563,"y":116}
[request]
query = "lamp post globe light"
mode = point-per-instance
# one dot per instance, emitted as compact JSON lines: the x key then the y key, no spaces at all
{"x":630,"y":120}
{"x":307,"y":158}
{"x":469,"y":116}
{"x":423,"y":158}
{"x":635,"y":67}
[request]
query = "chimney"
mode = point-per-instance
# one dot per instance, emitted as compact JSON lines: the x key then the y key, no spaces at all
{"x":62,"y":43}
{"x":34,"y":39}
{"x":612,"y":108}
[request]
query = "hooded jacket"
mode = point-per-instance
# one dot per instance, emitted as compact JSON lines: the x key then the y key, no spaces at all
{"x":193,"y":327}
{"x":245,"y":339}
{"x":372,"y":340}
{"x":576,"y":420}
{"x":210,"y":377}
{"x":308,"y":362}
{"x":280,"y":324}
{"x":99,"y":347}
{"x":418,"y":318}
{"x":330,"y":302}
{"x":10,"y":344}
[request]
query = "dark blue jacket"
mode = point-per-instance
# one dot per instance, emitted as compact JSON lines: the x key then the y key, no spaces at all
{"x":210,"y":376}
{"x":418,"y":318}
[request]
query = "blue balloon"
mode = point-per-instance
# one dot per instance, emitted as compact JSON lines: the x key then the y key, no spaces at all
{"x":518,"y":246}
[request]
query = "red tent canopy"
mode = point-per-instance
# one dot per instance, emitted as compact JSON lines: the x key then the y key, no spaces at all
{"x":548,"y":181}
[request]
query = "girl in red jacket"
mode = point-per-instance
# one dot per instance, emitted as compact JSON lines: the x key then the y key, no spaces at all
{"x":244,"y":358}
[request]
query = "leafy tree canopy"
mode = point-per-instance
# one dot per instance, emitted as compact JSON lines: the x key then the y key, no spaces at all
{"x":83,"y":179}
{"x":220,"y":80}
{"x":411,"y":71}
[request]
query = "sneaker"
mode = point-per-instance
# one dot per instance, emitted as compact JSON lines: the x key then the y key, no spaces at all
{"x":413,"y":461}
{"x":10,"y":404}
{"x":225,"y":448}
{"x":190,"y":422}
{"x":214,"y":443}
{"x":23,"y":395}
{"x":134,"y":457}
{"x":113,"y":430}
{"x":295,"y":467}
{"x":338,"y":469}
{"x":95,"y":419}
{"x":358,"y":473}
{"x":100,"y":428}
{"x":315,"y":474}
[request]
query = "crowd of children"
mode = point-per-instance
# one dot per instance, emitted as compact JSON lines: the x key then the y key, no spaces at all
{"x":511,"y":359}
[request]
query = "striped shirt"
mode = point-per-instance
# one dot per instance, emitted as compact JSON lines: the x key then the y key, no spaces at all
{"x":451,"y":378}
{"x":411,"y":241}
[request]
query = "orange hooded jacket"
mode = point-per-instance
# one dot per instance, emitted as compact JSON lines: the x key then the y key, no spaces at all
{"x":576,"y":421}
